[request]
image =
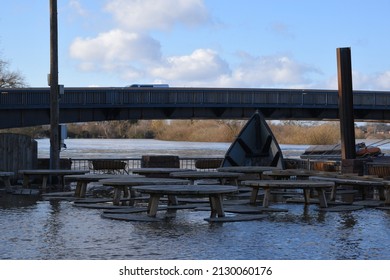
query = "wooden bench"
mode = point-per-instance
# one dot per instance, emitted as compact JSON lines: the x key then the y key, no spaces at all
{"x":222,"y":177}
{"x":109,"y":166}
{"x":357,"y":181}
{"x":214,"y":192}
{"x":122,"y":185}
{"x":45,"y":174}
{"x":305,"y":185}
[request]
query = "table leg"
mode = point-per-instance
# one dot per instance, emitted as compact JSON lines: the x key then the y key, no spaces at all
{"x":26,"y":180}
{"x":386,"y":193}
{"x":44,"y":182}
{"x":153,"y":204}
{"x":267,"y":194}
{"x":77,"y":192}
{"x":322,"y":198}
{"x":255,"y":191}
{"x":172,"y":200}
{"x":83,"y":189}
{"x":306,"y":193}
{"x":216,"y":206}
{"x":118,"y":194}
{"x":333,"y":193}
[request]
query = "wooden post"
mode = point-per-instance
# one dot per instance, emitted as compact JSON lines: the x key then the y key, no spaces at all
{"x":54,"y":94}
{"x":345,"y":93}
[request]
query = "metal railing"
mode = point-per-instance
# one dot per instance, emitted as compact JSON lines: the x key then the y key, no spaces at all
{"x":131,"y":163}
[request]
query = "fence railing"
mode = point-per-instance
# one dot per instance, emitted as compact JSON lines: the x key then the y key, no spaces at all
{"x":190,"y":163}
{"x":86,"y":164}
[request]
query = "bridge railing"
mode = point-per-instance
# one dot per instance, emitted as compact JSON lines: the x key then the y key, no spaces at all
{"x":109,"y":97}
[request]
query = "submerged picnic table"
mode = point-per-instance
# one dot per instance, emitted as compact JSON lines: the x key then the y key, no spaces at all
{"x":157,"y":172}
{"x":257,"y":170}
{"x":357,"y":181}
{"x":46,"y":173}
{"x":222,"y":177}
{"x":214,"y":192}
{"x":305,"y":185}
{"x":82,"y":180}
{"x":285,"y":174}
{"x":122,"y":185}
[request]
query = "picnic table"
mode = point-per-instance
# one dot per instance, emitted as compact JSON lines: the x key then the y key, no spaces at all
{"x":357,"y":181}
{"x":222,"y":177}
{"x":256,"y":170}
{"x":46,"y":173}
{"x":82,"y":180}
{"x":157,"y":172}
{"x":5,"y":176}
{"x":123,"y":184}
{"x":286,"y":174}
{"x":305,"y":185}
{"x":214,"y":192}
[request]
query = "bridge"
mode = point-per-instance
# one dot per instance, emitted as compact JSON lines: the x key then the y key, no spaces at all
{"x":24,"y":107}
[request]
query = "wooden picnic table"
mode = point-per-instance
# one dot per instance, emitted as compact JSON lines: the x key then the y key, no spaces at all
{"x":305,"y":185}
{"x":299,"y":174}
{"x":46,"y":173}
{"x":222,"y":177}
{"x":82,"y":180}
{"x":5,"y":176}
{"x":214,"y":192}
{"x":357,"y":181}
{"x":157,"y":172}
{"x":257,"y":170}
{"x":123,"y":184}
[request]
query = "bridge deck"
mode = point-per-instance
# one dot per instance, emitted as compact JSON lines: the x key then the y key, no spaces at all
{"x":30,"y":106}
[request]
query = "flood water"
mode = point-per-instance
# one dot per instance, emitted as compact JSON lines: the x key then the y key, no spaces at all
{"x":33,"y":228}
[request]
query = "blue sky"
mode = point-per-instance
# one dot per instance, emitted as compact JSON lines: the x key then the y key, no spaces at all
{"x":191,"y":43}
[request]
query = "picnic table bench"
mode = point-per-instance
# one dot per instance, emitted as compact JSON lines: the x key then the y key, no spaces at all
{"x":357,"y":181}
{"x":305,"y":185}
{"x":222,"y":177}
{"x":214,"y":192}
{"x":257,"y":171}
{"x":82,"y":180}
{"x":110,"y":166}
{"x":157,"y":172}
{"x":46,"y":173}
{"x":123,"y":184}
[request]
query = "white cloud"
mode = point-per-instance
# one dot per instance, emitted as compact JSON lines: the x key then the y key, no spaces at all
{"x":130,"y":53}
{"x":272,"y":70}
{"x":77,"y":7}
{"x":115,"y":50}
{"x":383,"y":80}
{"x":157,"y":14}
{"x":201,"y":65}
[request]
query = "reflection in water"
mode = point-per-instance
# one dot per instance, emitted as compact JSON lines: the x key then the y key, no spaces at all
{"x":36,"y":229}
{"x":58,"y":230}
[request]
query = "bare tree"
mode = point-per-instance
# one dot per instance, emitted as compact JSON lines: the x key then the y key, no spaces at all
{"x":8,"y":78}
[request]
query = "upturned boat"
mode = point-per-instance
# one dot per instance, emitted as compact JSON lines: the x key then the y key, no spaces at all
{"x":255,"y":145}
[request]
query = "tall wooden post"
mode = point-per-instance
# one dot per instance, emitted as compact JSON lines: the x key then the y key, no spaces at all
{"x":54,"y":93}
{"x":345,"y":93}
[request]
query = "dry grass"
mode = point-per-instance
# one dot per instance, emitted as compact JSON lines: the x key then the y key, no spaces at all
{"x":324,"y":134}
{"x":196,"y":131}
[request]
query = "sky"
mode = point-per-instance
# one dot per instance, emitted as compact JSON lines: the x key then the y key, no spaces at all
{"x":199,"y":43}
